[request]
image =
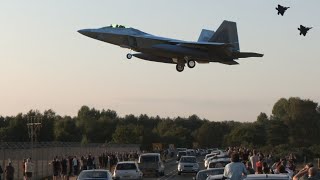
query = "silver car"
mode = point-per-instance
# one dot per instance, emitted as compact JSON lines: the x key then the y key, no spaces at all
{"x":127,"y":170}
{"x":100,"y":174}
{"x":188,"y":164}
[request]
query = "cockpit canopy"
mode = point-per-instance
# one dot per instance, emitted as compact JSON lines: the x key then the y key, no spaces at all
{"x":116,"y":26}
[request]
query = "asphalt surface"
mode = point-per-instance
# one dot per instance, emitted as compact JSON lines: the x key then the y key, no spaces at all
{"x":171,"y":171}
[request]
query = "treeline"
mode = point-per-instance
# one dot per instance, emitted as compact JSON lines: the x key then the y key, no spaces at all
{"x":294,"y":122}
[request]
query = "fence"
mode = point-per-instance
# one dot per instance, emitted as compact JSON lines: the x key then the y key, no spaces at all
{"x":43,"y":153}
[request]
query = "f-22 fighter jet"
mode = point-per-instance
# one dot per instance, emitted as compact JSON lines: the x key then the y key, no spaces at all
{"x":281,"y":9}
{"x":304,"y":30}
{"x":221,"y":46}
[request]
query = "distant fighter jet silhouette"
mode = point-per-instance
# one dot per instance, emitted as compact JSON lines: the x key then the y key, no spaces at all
{"x":304,"y":30}
{"x":281,"y":9}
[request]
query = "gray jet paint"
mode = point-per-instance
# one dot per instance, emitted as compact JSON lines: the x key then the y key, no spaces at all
{"x":221,"y":46}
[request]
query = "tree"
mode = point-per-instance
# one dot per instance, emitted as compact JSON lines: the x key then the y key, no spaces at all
{"x":126,"y":134}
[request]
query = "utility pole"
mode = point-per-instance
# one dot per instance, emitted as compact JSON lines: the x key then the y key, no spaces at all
{"x":34,"y":125}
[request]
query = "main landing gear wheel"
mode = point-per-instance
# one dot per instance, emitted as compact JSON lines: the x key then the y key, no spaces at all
{"x":129,"y":56}
{"x":180,"y":67}
{"x":191,"y":64}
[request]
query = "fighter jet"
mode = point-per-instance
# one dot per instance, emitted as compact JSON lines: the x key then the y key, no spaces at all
{"x":281,"y":9}
{"x":304,"y":30}
{"x":221,"y":46}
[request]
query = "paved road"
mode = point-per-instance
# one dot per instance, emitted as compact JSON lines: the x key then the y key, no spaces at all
{"x":171,"y":172}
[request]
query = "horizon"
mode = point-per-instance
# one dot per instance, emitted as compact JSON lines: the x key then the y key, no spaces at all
{"x":46,"y":64}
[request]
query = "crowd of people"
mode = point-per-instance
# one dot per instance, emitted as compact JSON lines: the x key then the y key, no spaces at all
{"x":72,"y":165}
{"x":245,"y":161}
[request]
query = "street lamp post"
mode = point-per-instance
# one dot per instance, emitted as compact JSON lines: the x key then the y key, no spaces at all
{"x":34,"y":125}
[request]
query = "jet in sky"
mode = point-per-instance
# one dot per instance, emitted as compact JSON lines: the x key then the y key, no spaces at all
{"x":281,"y":9}
{"x":304,"y":30}
{"x":221,"y":46}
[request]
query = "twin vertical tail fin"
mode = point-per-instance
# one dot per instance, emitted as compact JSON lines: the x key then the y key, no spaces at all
{"x":227,"y":33}
{"x":205,"y":35}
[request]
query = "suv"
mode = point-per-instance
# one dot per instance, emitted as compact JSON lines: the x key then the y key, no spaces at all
{"x":150,"y":163}
{"x":181,"y":153}
{"x":127,"y":170}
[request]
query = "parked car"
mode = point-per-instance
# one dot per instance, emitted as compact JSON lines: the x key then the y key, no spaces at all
{"x":181,"y":153}
{"x":151,"y":163}
{"x":218,"y":163}
{"x":215,"y":177}
{"x":204,"y":174}
{"x":127,"y":170}
{"x":256,"y":177}
{"x":188,"y":164}
{"x":100,"y":174}
{"x":267,"y":177}
{"x":206,"y":162}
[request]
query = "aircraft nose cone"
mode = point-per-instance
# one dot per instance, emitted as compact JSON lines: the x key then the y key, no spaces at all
{"x":88,"y":32}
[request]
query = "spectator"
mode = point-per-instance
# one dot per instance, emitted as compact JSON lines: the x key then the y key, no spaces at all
{"x":55,"y":168}
{"x":28,"y":169}
{"x":236,"y":169}
{"x":9,"y":172}
{"x":265,"y":168}
{"x":64,"y":166}
{"x":24,"y":168}
{"x":304,"y":173}
{"x":254,"y":159}
{"x":75,"y":165}
{"x":249,"y":168}
{"x":1,"y":171}
{"x":259,"y":165}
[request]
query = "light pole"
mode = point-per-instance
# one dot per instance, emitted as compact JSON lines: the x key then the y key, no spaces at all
{"x":34,"y":125}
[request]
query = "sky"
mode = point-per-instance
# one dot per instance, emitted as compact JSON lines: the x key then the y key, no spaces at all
{"x":46,"y":64}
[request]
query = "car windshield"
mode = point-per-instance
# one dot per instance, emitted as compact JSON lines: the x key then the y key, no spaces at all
{"x":93,"y":174}
{"x":149,"y":159}
{"x":182,"y":153}
{"x":188,"y":159}
{"x":203,"y":175}
{"x":126,"y":166}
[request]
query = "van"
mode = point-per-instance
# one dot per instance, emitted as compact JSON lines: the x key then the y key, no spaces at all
{"x":151,"y":163}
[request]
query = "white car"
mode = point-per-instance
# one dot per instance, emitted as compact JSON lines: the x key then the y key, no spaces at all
{"x":206,"y":162}
{"x":127,"y":170}
{"x":188,"y":164}
{"x":218,"y":163}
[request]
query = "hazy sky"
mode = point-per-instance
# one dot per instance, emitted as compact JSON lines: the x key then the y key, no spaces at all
{"x":46,"y":64}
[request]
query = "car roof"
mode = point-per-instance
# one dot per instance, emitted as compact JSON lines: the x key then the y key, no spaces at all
{"x":188,"y":156}
{"x":210,"y":169}
{"x":95,"y":170}
{"x":220,"y":160}
{"x":125,"y":162}
{"x":150,"y":154}
{"x":220,"y":176}
{"x":267,"y":176}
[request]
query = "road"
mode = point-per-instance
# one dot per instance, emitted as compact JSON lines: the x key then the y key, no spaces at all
{"x":171,"y":171}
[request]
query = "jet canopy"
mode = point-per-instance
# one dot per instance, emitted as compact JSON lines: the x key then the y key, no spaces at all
{"x":116,"y":26}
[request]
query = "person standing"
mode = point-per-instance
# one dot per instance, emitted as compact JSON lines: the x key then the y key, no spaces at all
{"x":236,"y":169}
{"x":1,"y":171}
{"x":29,"y":169}
{"x":9,"y":172}
{"x":254,"y":159}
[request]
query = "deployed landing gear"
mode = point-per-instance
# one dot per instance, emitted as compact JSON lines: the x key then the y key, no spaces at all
{"x":180,"y":67}
{"x":129,"y":56}
{"x":191,"y":64}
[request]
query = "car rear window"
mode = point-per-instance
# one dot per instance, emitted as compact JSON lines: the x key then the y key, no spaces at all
{"x":188,"y":159}
{"x":126,"y":166}
{"x":149,"y":159}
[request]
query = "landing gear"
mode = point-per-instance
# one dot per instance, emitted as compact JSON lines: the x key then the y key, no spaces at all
{"x":180,"y":67}
{"x":129,"y":56}
{"x":191,"y":64}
